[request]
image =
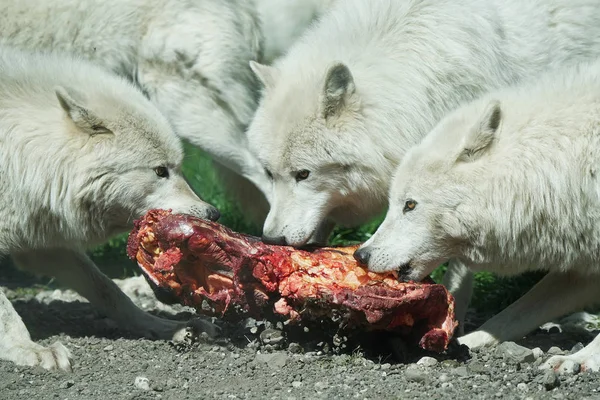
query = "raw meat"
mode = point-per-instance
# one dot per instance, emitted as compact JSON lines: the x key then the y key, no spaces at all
{"x":219,"y":272}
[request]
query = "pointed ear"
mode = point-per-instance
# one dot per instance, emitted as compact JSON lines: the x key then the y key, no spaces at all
{"x":482,"y":135}
{"x":339,"y":86}
{"x":82,"y":117}
{"x":265,"y":73}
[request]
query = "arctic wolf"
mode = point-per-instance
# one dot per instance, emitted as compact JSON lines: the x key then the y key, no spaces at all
{"x":283,"y":22}
{"x":189,"y":57}
{"x":371,"y":78}
{"x":82,"y":153}
{"x":508,"y":184}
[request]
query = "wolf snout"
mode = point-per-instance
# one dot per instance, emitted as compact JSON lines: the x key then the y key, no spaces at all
{"x":403,"y":272}
{"x":276,"y":240}
{"x":362,"y":255}
{"x":207,"y":212}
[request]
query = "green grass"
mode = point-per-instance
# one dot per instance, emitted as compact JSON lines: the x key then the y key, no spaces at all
{"x":491,"y":293}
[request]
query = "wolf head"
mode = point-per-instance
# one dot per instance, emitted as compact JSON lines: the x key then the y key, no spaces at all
{"x":312,"y":136}
{"x":429,"y":213}
{"x":124,"y":160}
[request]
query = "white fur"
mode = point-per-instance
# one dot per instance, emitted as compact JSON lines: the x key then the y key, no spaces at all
{"x":284,"y":21}
{"x":508,"y":183}
{"x":411,"y":62}
{"x":78,"y":148}
{"x":189,"y":57}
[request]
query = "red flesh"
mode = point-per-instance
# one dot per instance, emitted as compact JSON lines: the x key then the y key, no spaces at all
{"x":199,"y":262}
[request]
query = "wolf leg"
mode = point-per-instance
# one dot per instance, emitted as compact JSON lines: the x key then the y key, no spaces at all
{"x":458,"y":279}
{"x":77,"y":271}
{"x":554,"y":296}
{"x":16,"y":344}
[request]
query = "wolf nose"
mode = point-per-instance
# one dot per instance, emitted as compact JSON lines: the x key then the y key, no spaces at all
{"x":277,"y":240}
{"x":213,"y":214}
{"x":362,"y":255}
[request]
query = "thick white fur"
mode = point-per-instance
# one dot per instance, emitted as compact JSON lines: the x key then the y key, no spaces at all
{"x":189,"y":57}
{"x":508,"y":183}
{"x":410,"y":63}
{"x":78,"y":152}
{"x":283,"y":22}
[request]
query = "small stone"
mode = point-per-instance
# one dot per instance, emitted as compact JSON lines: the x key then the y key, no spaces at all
{"x":67,"y":384}
{"x":142,"y":383}
{"x":537,"y":352}
{"x":295,"y":348}
{"x":550,"y":380}
{"x":523,"y":387}
{"x":274,"y":360}
{"x":555,"y":351}
{"x":110,"y":347}
{"x":570,"y":367}
{"x":271,"y":336}
{"x":477,"y":368}
{"x":447,"y":385}
{"x":576,"y":348}
{"x":515,"y":353}
{"x":427,"y":361}
{"x":444,"y":378}
{"x":386,"y":366}
{"x":296,"y":384}
{"x":321,"y":386}
{"x":449,"y":363}
{"x":460,"y":371}
{"x":415,"y":375}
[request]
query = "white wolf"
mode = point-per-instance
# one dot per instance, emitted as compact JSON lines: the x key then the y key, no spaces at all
{"x":508,"y":183}
{"x":283,"y":22}
{"x":189,"y":57}
{"x":370,"y":79}
{"x":82,"y":153}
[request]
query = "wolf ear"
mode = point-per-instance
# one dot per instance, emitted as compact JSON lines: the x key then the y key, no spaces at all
{"x":82,"y":117}
{"x":339,"y":86}
{"x":265,"y":73}
{"x":483,"y":133}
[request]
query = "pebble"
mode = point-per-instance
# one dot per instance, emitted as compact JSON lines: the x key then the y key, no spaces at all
{"x":271,"y":336}
{"x":576,"y":348}
{"x":537,"y":352}
{"x":320,"y":386}
{"x":142,"y":383}
{"x":460,"y":371}
{"x":110,"y":347}
{"x":427,"y":361}
{"x":296,"y":384}
{"x":447,"y":385}
{"x":274,"y":360}
{"x":295,"y":348}
{"x":67,"y":384}
{"x":413,"y":374}
{"x":550,"y":380}
{"x":523,"y":387}
{"x":555,"y":351}
{"x":515,"y":353}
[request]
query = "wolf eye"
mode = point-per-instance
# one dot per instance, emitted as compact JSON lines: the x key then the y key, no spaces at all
{"x":302,"y":175}
{"x":409,"y":206}
{"x":269,"y":174}
{"x":161,"y":172}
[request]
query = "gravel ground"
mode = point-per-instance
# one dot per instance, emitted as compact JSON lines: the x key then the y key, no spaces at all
{"x":256,"y":360}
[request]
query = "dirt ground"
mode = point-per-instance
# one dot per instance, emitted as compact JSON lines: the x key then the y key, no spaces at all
{"x":255,"y":360}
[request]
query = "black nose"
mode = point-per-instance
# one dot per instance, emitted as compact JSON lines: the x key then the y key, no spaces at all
{"x":213,"y":214}
{"x":277,"y":240}
{"x":362,"y":255}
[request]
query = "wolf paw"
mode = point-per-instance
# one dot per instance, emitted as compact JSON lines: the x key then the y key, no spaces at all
{"x":573,"y":363}
{"x":477,"y":339}
{"x":55,"y":356}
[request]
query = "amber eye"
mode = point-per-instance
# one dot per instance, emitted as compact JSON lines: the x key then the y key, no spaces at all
{"x":409,"y":206}
{"x":302,"y":175}
{"x":161,"y":172}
